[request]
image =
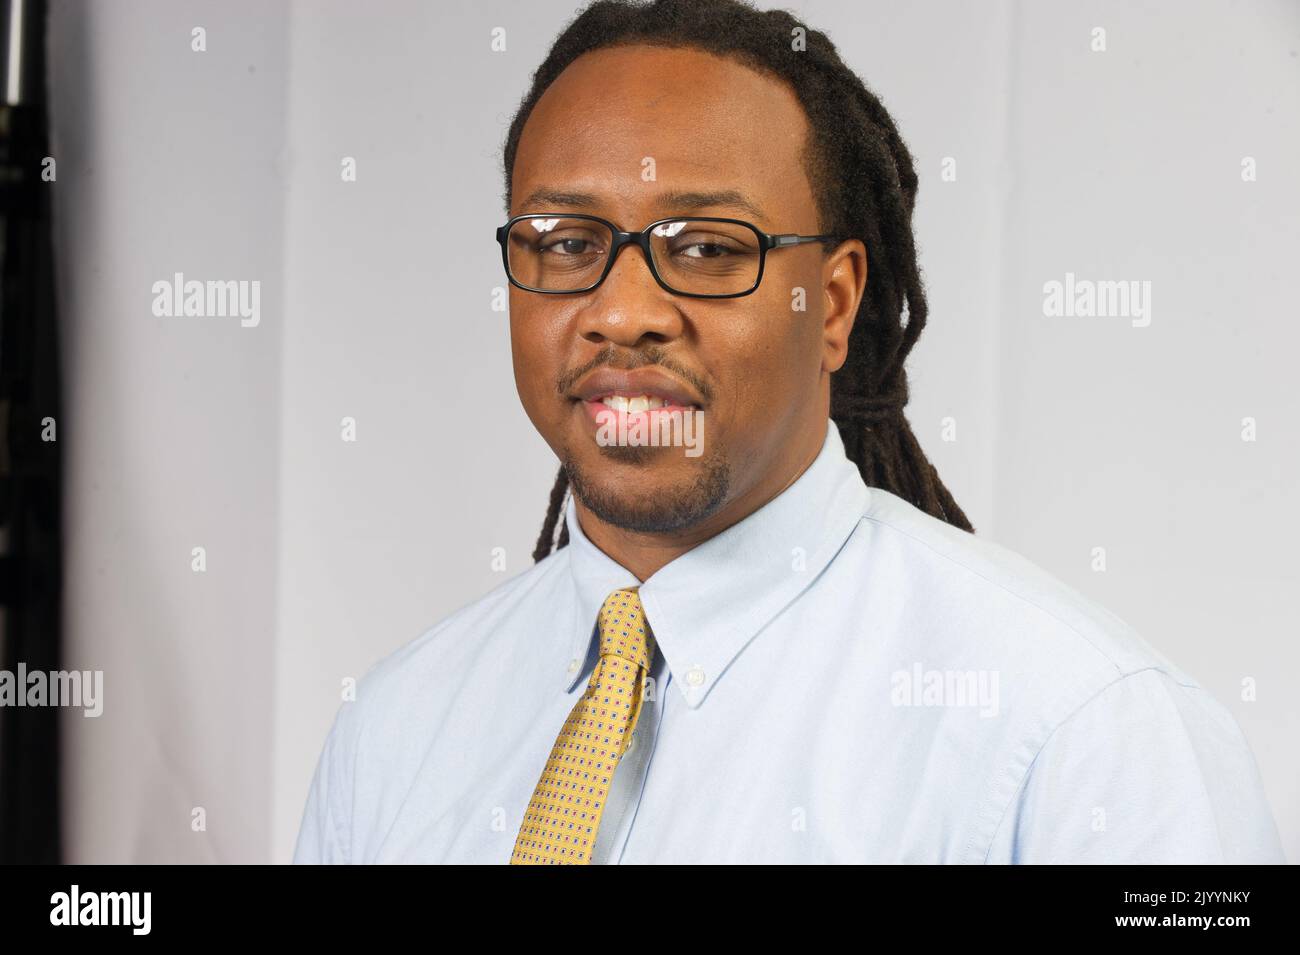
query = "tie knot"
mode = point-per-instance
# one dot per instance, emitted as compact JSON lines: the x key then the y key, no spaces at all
{"x":624,"y":632}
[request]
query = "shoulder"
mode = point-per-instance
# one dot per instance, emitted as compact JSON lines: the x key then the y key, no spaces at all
{"x":1000,"y":605}
{"x":379,"y":735}
{"x":1093,"y":719}
{"x":401,"y":697}
{"x":479,"y":629}
{"x":1146,"y":771}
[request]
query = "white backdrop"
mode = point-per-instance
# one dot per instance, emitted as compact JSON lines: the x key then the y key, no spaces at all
{"x":323,"y":555}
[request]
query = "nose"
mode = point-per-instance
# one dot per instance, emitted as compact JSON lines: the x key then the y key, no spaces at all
{"x":630,"y":305}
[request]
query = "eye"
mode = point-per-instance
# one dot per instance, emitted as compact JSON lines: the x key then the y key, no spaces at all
{"x":570,"y":242}
{"x":567,"y":246}
{"x":704,"y":246}
{"x":707,"y":250}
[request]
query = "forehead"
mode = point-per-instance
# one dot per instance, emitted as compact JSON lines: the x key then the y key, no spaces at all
{"x":707,"y":123}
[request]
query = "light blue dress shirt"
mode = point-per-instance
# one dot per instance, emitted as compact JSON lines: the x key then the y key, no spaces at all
{"x":840,"y":678}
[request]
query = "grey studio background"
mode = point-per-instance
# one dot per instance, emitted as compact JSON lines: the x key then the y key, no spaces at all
{"x":1072,"y":433}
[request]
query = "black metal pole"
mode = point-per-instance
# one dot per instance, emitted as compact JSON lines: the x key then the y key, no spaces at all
{"x":30,"y":423}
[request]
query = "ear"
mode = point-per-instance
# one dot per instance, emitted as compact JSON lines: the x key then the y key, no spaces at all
{"x":844,"y":280}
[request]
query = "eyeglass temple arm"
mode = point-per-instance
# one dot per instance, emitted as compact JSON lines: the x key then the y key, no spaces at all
{"x":779,"y":241}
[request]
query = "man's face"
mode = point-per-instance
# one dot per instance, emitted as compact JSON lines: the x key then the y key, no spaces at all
{"x":757,"y":366}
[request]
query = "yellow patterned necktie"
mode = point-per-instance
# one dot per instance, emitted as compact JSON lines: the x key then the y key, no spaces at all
{"x":564,"y":813}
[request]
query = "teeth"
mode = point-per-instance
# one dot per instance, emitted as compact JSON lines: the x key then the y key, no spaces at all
{"x":634,"y":405}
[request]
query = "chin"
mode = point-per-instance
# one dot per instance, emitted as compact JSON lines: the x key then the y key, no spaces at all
{"x":665,"y":499}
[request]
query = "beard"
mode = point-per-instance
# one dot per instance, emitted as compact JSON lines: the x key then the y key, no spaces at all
{"x":668,"y":509}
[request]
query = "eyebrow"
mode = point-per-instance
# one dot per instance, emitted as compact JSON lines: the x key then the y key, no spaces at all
{"x":678,"y":201}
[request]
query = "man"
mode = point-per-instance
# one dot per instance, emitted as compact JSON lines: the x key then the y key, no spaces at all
{"x":783,"y":642}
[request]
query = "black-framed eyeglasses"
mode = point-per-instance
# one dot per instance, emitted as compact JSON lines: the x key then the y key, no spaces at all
{"x":698,"y":256}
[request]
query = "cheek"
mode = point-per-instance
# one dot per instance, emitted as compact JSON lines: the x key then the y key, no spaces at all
{"x":541,"y":348}
{"x":796,"y":310}
{"x":532,"y":354}
{"x":765,"y":348}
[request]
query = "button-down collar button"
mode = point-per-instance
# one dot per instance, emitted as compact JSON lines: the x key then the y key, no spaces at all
{"x":695,"y":677}
{"x":573,"y":666}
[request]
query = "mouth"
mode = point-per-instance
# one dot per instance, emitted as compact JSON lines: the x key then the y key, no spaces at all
{"x":620,"y":405}
{"x":636,"y":398}
{"x":647,"y":387}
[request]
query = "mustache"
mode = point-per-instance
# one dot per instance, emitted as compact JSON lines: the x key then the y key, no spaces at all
{"x":653,"y":355}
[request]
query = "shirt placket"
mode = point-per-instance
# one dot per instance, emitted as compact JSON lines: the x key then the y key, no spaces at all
{"x":630,"y":776}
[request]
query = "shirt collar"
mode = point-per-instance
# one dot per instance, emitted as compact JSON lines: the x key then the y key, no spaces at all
{"x":706,"y":605}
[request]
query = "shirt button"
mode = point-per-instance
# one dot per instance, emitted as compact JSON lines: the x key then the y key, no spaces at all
{"x":695,"y":677}
{"x":631,"y":744}
{"x":573,"y":666}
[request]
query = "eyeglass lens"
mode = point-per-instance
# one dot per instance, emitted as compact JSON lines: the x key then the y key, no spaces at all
{"x":562,"y":254}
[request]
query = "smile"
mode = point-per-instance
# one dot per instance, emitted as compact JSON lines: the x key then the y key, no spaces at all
{"x":634,"y":404}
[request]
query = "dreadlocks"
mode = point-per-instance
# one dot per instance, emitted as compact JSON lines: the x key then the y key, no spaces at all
{"x":863,"y":178}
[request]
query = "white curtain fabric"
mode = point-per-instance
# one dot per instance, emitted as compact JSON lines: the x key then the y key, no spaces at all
{"x":1073,"y":439}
